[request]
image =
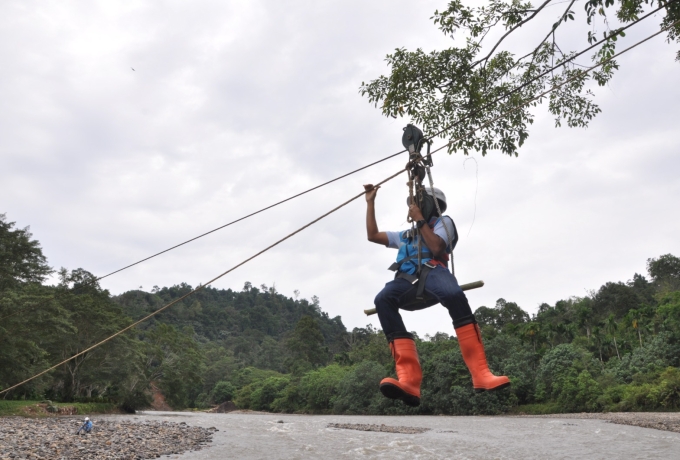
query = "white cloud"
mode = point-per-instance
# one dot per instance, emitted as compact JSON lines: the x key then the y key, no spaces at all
{"x":234,"y":105}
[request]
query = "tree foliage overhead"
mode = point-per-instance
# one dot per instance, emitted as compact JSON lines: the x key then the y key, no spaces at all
{"x":456,"y":90}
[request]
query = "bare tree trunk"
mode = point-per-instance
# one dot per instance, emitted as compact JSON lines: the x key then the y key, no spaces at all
{"x":639,"y":336}
{"x":617,"y":349}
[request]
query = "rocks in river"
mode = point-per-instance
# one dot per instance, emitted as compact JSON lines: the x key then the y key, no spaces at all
{"x":225,"y":407}
{"x":382,"y":428}
{"x":55,"y":438}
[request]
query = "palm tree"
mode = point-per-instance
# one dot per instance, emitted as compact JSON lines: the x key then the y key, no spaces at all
{"x":531,"y":330}
{"x":584,"y":315}
{"x":611,"y":326}
{"x":634,"y":317}
{"x":597,"y":336}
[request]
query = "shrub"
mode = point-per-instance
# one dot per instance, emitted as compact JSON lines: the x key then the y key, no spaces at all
{"x":262,"y":397}
{"x":358,"y":390}
{"x":577,"y":392}
{"x":555,"y":365}
{"x":668,"y":393}
{"x":650,"y":359}
{"x":319,"y":388}
{"x":223,"y":391}
{"x":289,"y":400}
{"x":242,"y":399}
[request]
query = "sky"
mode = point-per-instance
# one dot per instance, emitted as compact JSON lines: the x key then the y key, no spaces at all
{"x":128,"y":127}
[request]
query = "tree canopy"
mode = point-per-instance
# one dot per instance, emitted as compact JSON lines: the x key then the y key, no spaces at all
{"x":21,"y":258}
{"x":456,"y":90}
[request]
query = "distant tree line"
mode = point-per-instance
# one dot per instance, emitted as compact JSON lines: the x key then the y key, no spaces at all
{"x":616,"y":349}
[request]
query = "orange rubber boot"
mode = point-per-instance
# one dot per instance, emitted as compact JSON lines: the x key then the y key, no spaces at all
{"x":472,"y":348}
{"x":409,"y":374}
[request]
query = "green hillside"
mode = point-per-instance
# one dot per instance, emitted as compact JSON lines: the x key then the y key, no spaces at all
{"x":615,"y":349}
{"x":252,"y":323}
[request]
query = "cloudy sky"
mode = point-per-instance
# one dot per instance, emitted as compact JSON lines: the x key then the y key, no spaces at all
{"x":233,"y":105}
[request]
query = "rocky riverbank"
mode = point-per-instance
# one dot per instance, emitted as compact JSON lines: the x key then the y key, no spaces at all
{"x":55,"y":438}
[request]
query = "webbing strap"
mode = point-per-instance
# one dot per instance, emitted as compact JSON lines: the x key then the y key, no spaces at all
{"x":397,"y":265}
{"x":424,"y":271}
{"x":410,"y":278}
{"x":420,"y":278}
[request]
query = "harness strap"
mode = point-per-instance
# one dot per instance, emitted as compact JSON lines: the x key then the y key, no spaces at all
{"x":397,"y":265}
{"x":421,"y":279}
{"x":410,"y":278}
{"x":425,"y":270}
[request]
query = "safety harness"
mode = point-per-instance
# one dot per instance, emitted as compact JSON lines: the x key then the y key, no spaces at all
{"x":420,"y":257}
{"x":418,"y":166}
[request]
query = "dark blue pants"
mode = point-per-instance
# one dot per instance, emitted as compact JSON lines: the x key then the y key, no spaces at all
{"x":440,"y":285}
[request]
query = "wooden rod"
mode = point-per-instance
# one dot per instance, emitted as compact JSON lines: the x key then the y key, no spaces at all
{"x":464,"y":287}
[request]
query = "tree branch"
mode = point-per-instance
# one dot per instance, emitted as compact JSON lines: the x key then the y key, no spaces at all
{"x":552,"y":31}
{"x":511,"y":31}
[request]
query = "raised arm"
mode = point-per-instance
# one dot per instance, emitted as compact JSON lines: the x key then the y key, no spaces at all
{"x":372,"y":232}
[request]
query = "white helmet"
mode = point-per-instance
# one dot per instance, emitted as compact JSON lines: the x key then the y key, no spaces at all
{"x":435,"y":192}
{"x":87,"y":419}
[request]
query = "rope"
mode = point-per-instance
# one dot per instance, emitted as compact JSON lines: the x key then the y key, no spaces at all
{"x":439,"y":211}
{"x":93,"y":281}
{"x":200,"y":287}
{"x":528,"y":101}
{"x":254,"y":213}
{"x":484,"y":107}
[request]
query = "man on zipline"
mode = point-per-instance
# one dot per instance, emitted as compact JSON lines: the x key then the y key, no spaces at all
{"x":439,"y":286}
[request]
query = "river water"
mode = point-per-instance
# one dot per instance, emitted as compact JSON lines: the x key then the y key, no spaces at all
{"x":262,"y":436}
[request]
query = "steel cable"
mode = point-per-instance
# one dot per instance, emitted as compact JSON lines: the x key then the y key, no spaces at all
{"x":484,"y":107}
{"x":528,"y":101}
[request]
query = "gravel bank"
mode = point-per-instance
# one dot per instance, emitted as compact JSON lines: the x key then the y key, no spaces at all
{"x":54,"y":438}
{"x":666,"y":421}
{"x":382,"y":428}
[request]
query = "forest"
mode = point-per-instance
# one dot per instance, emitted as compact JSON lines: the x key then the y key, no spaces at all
{"x":616,"y":349}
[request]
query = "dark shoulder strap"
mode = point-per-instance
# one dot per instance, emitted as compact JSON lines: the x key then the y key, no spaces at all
{"x":454,"y":241}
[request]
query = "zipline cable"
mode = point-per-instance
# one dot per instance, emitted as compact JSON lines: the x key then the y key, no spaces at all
{"x":253,"y":213}
{"x":519,"y":106}
{"x":202,"y":286}
{"x":456,"y":123}
{"x":91,"y":282}
{"x":486,"y":106}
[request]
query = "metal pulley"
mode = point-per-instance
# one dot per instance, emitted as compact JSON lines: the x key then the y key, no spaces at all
{"x":413,"y":140}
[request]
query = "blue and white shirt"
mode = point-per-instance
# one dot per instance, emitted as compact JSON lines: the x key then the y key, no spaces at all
{"x":406,"y":247}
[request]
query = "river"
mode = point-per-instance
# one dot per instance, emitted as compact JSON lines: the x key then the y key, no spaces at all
{"x":263,"y":436}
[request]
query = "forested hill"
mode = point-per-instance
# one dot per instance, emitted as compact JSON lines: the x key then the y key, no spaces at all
{"x":615,"y":349}
{"x":252,"y":323}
